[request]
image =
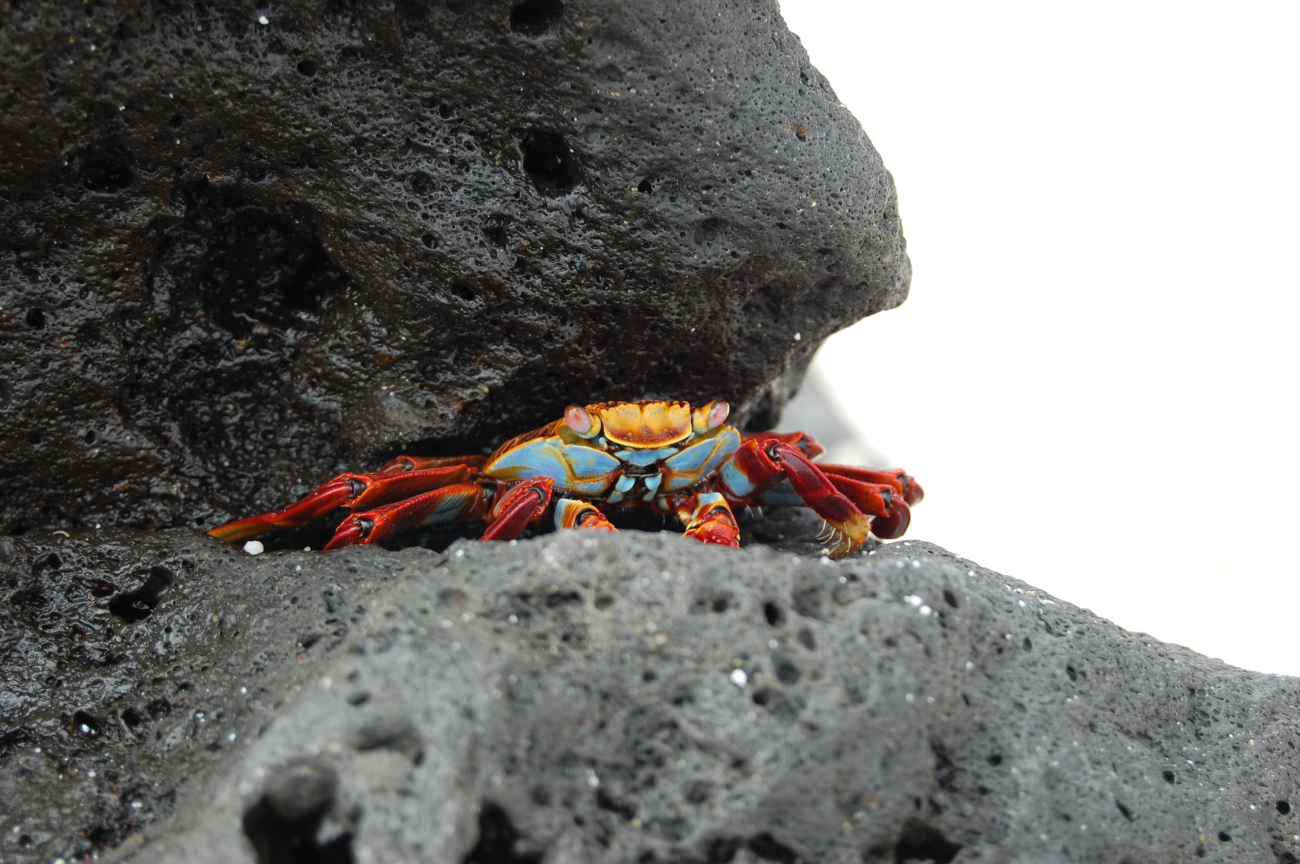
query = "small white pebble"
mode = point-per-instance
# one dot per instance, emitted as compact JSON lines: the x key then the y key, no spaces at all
{"x":798,"y":336}
{"x":971,"y":573}
{"x":969,"y":665}
{"x":137,"y":805}
{"x":738,"y":677}
{"x":926,"y":610}
{"x":263,"y":20}
{"x":232,"y":736}
{"x":91,"y":775}
{"x":512,"y":619}
{"x":254,"y":547}
{"x":909,"y":698}
{"x":593,"y":782}
{"x":306,"y":548}
{"x":913,"y":599}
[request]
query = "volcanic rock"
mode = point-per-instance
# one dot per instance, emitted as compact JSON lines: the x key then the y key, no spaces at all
{"x":246,"y":247}
{"x":584,"y":697}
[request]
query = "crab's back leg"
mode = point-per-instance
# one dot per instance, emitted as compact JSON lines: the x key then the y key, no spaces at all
{"x":571,"y":513}
{"x":350,"y":492}
{"x":707,"y":517}
{"x":459,"y":502}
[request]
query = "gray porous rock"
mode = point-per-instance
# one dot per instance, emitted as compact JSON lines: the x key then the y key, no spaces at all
{"x":586,"y":697}
{"x":246,"y":246}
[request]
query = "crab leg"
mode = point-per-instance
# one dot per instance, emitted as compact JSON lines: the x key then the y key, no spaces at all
{"x":761,"y":463}
{"x":459,"y":502}
{"x":571,"y":513}
{"x":707,"y":518}
{"x":521,"y":504}
{"x":348,"y":491}
{"x":801,"y":441}
{"x":903,"y":482}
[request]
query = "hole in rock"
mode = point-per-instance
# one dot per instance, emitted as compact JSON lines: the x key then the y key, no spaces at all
{"x":87,"y":724}
{"x":768,"y":848}
{"x":497,"y":838}
{"x":1168,"y":775}
{"x":920,"y":842}
{"x":1224,"y":836}
{"x":139,"y":604}
{"x":995,"y":759}
{"x":278,"y":838}
{"x":36,"y":319}
{"x":132,"y":717}
{"x":773,"y":614}
{"x":535,"y":17}
{"x":494,"y":227}
{"x":106,"y":174}
{"x":307,"y":67}
{"x":645,"y":187}
{"x":263,"y":265}
{"x":1283,"y":807}
{"x":549,"y":161}
{"x":1124,"y":811}
{"x":950,"y":598}
{"x":722,"y":850}
{"x":787,"y":673}
{"x":708,"y":232}
{"x":464,"y":292}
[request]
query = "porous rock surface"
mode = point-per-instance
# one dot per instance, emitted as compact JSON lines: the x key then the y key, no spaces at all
{"x":636,"y":697}
{"x":244,"y":247}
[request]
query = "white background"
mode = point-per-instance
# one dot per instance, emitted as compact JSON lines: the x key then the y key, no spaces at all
{"x":1095,"y":375}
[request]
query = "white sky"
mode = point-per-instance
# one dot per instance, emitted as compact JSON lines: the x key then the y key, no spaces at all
{"x":1094,"y":377}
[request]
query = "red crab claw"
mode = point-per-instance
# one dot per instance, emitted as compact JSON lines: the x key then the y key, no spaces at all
{"x":523,"y":503}
{"x":762,"y":462}
{"x":350,"y":491}
{"x":885,"y":503}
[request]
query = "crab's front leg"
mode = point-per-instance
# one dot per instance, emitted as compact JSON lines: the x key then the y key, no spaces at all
{"x":762,"y":463}
{"x":572,"y":513}
{"x":707,"y":517}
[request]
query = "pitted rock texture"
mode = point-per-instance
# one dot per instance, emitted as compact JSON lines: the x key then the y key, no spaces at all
{"x":246,"y":247}
{"x":636,"y":697}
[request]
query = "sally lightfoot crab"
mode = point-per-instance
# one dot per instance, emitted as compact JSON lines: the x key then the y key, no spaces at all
{"x":659,"y":456}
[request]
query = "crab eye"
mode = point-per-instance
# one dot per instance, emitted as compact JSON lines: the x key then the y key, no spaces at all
{"x":710,"y":416}
{"x":580,"y":421}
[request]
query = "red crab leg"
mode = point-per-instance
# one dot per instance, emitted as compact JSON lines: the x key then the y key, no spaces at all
{"x":898,"y":478}
{"x":761,"y":463}
{"x":418,"y":463}
{"x":801,"y":441}
{"x":884,"y":503}
{"x":349,"y":491}
{"x":521,"y":504}
{"x":707,"y":518}
{"x":459,"y":502}
{"x":571,"y":513}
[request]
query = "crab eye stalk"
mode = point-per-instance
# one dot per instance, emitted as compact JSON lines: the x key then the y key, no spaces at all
{"x":710,"y":416}
{"x":583,"y":424}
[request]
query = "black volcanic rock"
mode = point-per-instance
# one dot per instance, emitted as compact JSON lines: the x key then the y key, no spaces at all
{"x":243,"y":247}
{"x":585,"y":697}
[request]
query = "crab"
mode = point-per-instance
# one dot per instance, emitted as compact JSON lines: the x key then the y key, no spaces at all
{"x":656,"y":455}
